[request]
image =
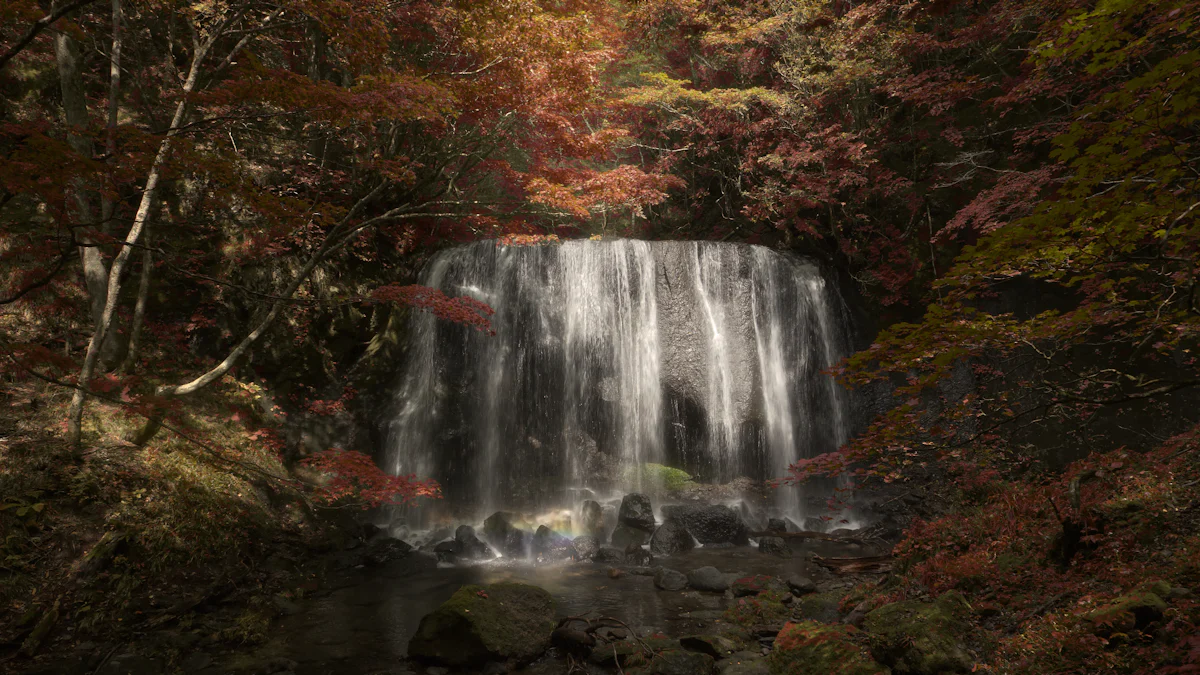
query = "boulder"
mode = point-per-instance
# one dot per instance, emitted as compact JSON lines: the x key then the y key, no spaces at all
{"x":815,"y":524}
{"x":681,"y":662}
{"x":777,"y":525}
{"x":607,"y":555}
{"x":1132,"y":611}
{"x":707,"y":579}
{"x":670,"y":580}
{"x":799,"y":585}
{"x":385,"y":550}
{"x":711,"y":524}
{"x":636,"y":555}
{"x":758,"y":612}
{"x":585,"y":546}
{"x":591,"y":517}
{"x":774,"y":546}
{"x":823,"y":607}
{"x":448,"y":551}
{"x":498,"y":622}
{"x":471,"y":547}
{"x":573,"y":639}
{"x":636,"y":512}
{"x":921,"y":638}
{"x":499,"y":531}
{"x":671,"y":538}
{"x":716,"y":646}
{"x":625,"y":536}
{"x":811,"y":648}
{"x":551,"y":545}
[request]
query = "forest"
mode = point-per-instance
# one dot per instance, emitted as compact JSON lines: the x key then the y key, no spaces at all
{"x":222,"y":225}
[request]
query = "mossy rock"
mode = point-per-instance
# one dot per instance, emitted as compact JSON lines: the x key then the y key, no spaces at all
{"x":921,"y":638}
{"x":811,"y":648}
{"x":500,"y":622}
{"x":823,"y":607}
{"x":1131,"y":611}
{"x":765,"y":608}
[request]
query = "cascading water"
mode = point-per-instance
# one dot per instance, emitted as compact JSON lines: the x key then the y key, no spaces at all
{"x":611,"y":354}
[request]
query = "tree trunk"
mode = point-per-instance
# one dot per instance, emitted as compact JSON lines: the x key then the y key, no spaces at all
{"x":139,"y":310}
{"x":90,"y":361}
{"x":95,"y":273}
{"x":107,"y":203}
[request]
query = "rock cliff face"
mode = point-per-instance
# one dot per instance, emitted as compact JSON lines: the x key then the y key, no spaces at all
{"x":612,"y":354}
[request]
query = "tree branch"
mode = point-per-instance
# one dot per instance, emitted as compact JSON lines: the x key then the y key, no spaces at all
{"x":39,"y":26}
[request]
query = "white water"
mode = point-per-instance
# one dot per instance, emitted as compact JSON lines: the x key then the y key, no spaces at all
{"x":703,"y":356}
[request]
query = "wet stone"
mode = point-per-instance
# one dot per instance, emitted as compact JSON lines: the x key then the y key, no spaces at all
{"x":670,"y":580}
{"x":707,"y":579}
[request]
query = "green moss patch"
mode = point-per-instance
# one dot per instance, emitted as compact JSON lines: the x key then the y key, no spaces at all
{"x":921,"y":638}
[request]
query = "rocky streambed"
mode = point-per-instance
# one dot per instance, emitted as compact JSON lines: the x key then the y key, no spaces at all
{"x":696,"y":591}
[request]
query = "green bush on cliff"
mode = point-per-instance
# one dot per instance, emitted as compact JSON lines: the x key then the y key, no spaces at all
{"x":659,"y":477}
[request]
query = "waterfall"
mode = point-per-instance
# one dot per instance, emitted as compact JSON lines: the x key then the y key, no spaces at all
{"x":611,"y":354}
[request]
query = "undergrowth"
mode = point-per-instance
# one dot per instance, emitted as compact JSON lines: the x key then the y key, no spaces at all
{"x":124,"y":539}
{"x":1039,"y":558}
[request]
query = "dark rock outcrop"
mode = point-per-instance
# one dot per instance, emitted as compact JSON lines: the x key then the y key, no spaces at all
{"x":625,"y":536}
{"x":774,"y":546}
{"x":671,"y":538}
{"x":636,"y":555}
{"x":551,"y":545}
{"x":607,"y":555}
{"x":471,"y":547}
{"x":714,"y":524}
{"x":585,"y":546}
{"x":591,"y":517}
{"x":636,"y":512}
{"x":385,"y":550}
{"x":499,"y":531}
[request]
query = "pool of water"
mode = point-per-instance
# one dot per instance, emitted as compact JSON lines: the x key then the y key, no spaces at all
{"x":363,"y":621}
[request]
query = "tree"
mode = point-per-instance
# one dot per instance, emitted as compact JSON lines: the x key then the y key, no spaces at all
{"x":294,"y":147}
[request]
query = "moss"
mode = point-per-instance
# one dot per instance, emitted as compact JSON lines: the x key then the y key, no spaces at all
{"x":664,"y":477}
{"x":822,"y":607}
{"x":765,"y":608}
{"x":921,"y":637}
{"x":753,"y":585}
{"x":811,"y":648}
{"x":481,"y":623}
{"x":1131,"y":611}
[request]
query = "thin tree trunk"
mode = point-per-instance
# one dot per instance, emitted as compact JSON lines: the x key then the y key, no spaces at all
{"x":75,"y":412}
{"x":142,"y":216}
{"x":139,"y":309}
{"x":107,"y":203}
{"x":74,"y":101}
